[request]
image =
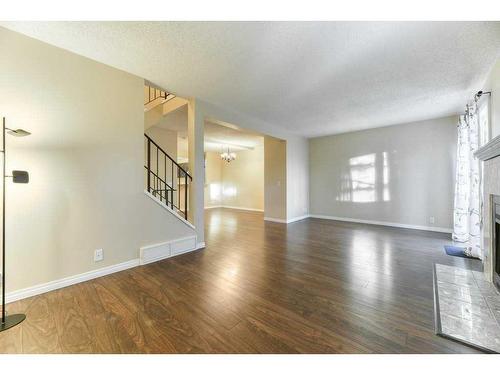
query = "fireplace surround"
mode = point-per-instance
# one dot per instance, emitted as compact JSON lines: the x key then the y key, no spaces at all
{"x":490,"y":155}
{"x":466,"y":302}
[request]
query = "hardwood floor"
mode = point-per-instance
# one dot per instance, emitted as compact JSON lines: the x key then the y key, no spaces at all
{"x":314,"y":286}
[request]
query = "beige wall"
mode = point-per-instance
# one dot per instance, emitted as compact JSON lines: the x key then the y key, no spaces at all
{"x":166,"y":139}
{"x":296,"y":158}
{"x":153,"y":117}
{"x":85,"y":158}
{"x":182,"y":150}
{"x":239,"y":183}
{"x":213,"y":180}
{"x":275,"y":181}
{"x":243,"y":180}
{"x":493,"y":84}
{"x":406,"y":171}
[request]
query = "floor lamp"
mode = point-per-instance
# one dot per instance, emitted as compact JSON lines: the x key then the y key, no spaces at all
{"x":9,"y":321}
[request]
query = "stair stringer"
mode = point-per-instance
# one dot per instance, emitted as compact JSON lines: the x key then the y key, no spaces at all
{"x":164,"y":206}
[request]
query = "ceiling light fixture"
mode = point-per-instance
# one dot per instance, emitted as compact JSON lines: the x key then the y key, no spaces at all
{"x":228,"y":156}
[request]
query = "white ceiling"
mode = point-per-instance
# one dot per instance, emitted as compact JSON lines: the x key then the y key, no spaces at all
{"x":216,"y":137}
{"x":312,"y":78}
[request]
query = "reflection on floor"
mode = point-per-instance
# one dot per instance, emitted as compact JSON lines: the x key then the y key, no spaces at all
{"x":313,"y":286}
{"x":468,"y":307}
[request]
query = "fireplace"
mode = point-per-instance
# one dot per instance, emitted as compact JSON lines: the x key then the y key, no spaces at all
{"x":490,"y":232}
{"x":496,"y":241}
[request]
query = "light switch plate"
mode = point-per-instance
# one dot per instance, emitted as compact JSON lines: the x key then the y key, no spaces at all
{"x":98,"y":255}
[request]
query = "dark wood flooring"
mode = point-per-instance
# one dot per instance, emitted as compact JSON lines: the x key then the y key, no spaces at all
{"x":314,"y":286}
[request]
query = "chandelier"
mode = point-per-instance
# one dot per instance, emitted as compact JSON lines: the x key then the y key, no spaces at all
{"x":228,"y":156}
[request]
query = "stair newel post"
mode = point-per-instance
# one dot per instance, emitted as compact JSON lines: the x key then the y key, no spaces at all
{"x":149,"y":165}
{"x":173,"y":187}
{"x":165,"y":174}
{"x":185,"y":196}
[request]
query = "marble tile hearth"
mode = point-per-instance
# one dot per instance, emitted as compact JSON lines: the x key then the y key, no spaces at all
{"x":467,"y":307}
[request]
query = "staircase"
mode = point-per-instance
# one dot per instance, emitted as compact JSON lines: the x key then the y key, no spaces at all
{"x":154,"y":96}
{"x":165,"y":179}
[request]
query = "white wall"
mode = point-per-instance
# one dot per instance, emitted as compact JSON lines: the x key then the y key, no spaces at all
{"x":85,"y":158}
{"x":411,"y":166}
{"x":297,"y":175}
{"x":493,"y":84}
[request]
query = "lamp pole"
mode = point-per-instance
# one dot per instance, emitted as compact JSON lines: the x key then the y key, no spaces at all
{"x":11,"y":320}
{"x":3,"y":221}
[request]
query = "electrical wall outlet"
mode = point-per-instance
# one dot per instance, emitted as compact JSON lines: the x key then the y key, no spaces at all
{"x":98,"y":255}
{"x":432,"y":220}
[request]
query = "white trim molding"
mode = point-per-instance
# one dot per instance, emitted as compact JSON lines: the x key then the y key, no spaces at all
{"x":70,"y":280}
{"x":160,"y":203}
{"x":490,"y":150}
{"x":298,"y":218}
{"x":384,"y":223}
{"x":157,"y":252}
{"x":275,"y":220}
{"x":286,"y":221}
{"x":235,"y":208}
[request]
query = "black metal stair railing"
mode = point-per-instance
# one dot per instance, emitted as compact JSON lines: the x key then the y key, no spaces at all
{"x":165,"y":178}
{"x":154,"y":94}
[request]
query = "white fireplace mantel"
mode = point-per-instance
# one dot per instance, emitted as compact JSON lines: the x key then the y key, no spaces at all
{"x":490,"y":155}
{"x":490,"y":150}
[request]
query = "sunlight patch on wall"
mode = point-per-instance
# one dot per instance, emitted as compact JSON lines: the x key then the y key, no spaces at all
{"x":366,"y":179}
{"x":229,"y":191}
{"x":387,"y":193}
{"x":363,"y":178}
{"x":214,"y":191}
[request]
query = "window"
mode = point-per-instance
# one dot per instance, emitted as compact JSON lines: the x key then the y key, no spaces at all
{"x":484,"y":121}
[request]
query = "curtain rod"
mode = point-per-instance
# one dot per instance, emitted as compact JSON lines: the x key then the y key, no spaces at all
{"x":481,"y":93}
{"x":477,"y":96}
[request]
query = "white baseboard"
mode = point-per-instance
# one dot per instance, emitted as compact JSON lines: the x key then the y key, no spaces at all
{"x":176,"y":247}
{"x":385,"y":223}
{"x":286,"y":221}
{"x":67,"y":281}
{"x":298,"y":218}
{"x":235,"y":208}
{"x":275,"y":220}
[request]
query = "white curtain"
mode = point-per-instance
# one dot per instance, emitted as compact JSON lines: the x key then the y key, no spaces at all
{"x":468,"y":189}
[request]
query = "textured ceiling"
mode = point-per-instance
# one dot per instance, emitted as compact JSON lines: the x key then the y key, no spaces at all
{"x":312,"y":78}
{"x":216,"y":136}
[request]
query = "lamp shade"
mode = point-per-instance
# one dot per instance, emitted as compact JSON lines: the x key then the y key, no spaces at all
{"x":18,"y":132}
{"x":20,"y":177}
